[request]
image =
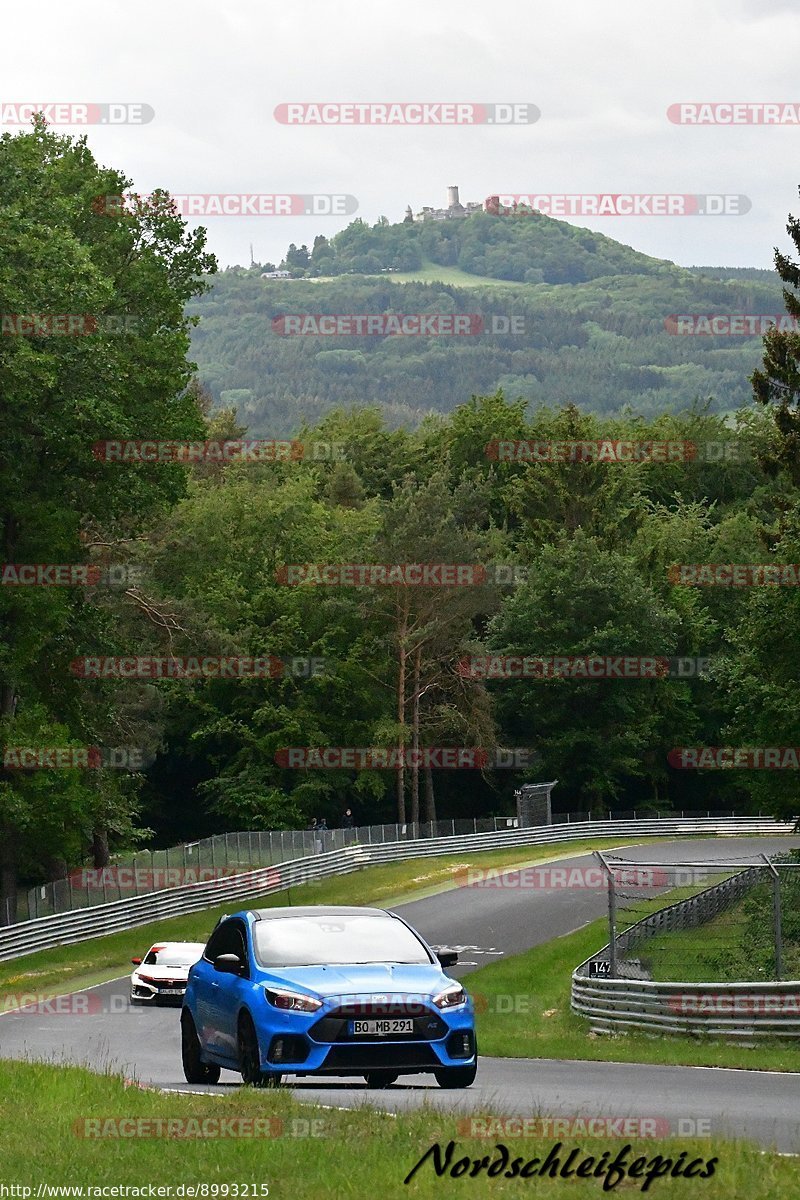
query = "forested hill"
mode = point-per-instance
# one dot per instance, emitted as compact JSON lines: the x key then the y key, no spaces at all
{"x":568,"y":315}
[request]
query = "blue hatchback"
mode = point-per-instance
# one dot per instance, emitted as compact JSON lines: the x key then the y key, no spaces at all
{"x":325,"y":991}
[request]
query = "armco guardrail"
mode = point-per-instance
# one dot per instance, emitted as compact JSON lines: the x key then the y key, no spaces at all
{"x":751,"y":1009}
{"x":715,"y":1009}
{"x":80,"y":925}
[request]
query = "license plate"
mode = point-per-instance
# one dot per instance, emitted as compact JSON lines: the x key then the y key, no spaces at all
{"x":171,"y":992}
{"x":405,"y":1025}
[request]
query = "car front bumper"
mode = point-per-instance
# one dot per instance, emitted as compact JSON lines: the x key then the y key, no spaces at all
{"x":299,"y":1043}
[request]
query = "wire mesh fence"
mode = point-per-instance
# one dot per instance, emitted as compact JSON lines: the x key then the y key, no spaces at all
{"x":234,"y":853}
{"x":735,"y":919}
{"x":217,"y":857}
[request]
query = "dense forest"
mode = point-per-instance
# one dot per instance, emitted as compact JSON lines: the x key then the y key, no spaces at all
{"x":568,"y":317}
{"x":580,"y":557}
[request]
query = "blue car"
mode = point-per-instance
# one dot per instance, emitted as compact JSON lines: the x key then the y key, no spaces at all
{"x":325,"y":991}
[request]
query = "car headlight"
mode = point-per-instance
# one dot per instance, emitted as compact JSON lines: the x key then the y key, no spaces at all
{"x":451,"y":997}
{"x":292,"y":1001}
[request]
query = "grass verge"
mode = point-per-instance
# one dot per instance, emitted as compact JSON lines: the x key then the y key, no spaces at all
{"x":49,"y":972}
{"x":312,"y":1152}
{"x":524,"y":1012}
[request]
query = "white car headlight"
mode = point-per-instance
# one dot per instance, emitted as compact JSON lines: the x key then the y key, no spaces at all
{"x":451,"y":997}
{"x":290,"y":1001}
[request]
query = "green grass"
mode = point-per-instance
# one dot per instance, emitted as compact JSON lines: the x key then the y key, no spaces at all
{"x":359,"y":1153}
{"x":524,"y":1012}
{"x":73,"y":967}
{"x":736,"y":945}
{"x":698,"y":956}
{"x":435,"y":273}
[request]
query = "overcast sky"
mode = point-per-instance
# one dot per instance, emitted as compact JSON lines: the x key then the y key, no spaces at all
{"x":603,"y":76}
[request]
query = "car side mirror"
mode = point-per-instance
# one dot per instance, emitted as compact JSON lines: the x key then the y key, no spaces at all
{"x":228,"y":964}
{"x":448,"y":958}
{"x":137,"y":962}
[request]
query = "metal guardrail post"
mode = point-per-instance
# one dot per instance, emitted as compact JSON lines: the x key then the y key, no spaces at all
{"x":612,"y":915}
{"x":776,"y":916}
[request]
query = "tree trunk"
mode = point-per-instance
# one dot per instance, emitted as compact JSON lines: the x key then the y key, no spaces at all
{"x":100,"y":849}
{"x":401,"y":711}
{"x":430,"y":799}
{"x":8,"y":875}
{"x":415,"y":741}
{"x":55,"y":867}
{"x":9,"y":837}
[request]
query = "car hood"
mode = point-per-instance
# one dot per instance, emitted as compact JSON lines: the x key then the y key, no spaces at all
{"x":391,"y":981}
{"x":163,"y":972}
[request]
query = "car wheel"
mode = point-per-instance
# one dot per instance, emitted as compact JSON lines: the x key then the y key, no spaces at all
{"x":194,"y":1069}
{"x":250,"y":1057}
{"x":380,"y":1079}
{"x":456,"y":1077}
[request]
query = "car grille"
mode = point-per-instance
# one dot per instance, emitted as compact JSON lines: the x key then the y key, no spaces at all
{"x":356,"y":1059}
{"x":161,"y":984}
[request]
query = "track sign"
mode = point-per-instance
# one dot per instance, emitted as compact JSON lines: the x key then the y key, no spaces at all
{"x":599,"y":968}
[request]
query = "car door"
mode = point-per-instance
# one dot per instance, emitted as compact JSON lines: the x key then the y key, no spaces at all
{"x":226,"y":989}
{"x":205,"y":983}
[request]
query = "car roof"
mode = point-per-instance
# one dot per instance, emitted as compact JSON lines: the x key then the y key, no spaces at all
{"x":318,"y":910}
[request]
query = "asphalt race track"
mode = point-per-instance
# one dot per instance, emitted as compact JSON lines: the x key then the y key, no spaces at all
{"x":99,"y":1029}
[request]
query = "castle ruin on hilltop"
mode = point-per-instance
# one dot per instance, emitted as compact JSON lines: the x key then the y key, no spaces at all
{"x":454,"y":211}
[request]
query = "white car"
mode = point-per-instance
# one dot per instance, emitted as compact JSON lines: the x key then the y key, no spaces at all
{"x":160,"y":977}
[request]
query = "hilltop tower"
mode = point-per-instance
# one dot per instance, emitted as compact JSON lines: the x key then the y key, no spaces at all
{"x":452,"y":197}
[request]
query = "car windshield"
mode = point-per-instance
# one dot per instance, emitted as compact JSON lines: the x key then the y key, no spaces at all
{"x":173,"y":956}
{"x":335,"y":941}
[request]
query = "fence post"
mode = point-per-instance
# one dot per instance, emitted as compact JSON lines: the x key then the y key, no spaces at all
{"x":612,"y":915}
{"x":776,"y":916}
